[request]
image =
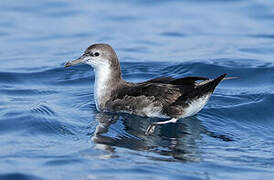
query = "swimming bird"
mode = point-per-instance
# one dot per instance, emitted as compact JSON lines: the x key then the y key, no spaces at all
{"x":163,"y":97}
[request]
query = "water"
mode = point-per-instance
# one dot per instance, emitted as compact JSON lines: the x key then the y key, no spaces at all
{"x":49,"y":126}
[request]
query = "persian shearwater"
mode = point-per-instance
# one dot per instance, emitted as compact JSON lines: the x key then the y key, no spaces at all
{"x":163,"y":97}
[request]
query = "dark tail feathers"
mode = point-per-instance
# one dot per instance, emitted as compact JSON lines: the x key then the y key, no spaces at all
{"x":210,"y":86}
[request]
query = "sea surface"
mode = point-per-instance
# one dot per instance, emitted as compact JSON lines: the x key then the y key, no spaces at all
{"x":49,"y":125}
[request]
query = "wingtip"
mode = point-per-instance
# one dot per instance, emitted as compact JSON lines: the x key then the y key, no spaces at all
{"x":221,"y":77}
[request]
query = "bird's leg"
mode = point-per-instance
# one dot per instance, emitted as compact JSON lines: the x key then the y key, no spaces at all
{"x":152,"y":126}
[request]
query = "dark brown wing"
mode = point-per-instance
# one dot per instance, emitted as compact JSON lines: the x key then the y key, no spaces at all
{"x":161,"y":91}
{"x":167,"y":92}
{"x":136,"y":97}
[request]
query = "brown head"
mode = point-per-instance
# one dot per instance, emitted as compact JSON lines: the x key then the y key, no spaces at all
{"x":99,"y":56}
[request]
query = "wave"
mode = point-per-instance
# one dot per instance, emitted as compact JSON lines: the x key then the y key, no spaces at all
{"x":247,"y":70}
{"x":23,"y":176}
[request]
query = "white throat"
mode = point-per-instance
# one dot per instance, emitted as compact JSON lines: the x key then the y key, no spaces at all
{"x":102,"y":76}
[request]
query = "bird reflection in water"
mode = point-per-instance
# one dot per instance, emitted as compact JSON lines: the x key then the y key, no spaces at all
{"x":174,"y":141}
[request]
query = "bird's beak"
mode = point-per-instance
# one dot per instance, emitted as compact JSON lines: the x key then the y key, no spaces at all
{"x":74,"y":62}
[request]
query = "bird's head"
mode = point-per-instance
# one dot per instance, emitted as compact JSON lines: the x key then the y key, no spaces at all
{"x":97,"y":56}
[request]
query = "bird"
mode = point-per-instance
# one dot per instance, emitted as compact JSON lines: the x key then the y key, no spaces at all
{"x":163,"y":97}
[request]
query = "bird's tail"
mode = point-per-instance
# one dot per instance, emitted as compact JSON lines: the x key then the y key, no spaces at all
{"x":205,"y":88}
{"x":210,"y":86}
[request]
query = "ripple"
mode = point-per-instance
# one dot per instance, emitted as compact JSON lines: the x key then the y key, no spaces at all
{"x":173,"y":34}
{"x":176,"y":69}
{"x":267,"y":36}
{"x":42,"y":109}
{"x":26,"y":92}
{"x":257,"y":106}
{"x":17,"y":176}
{"x":65,"y":161}
{"x":261,"y":50}
{"x":35,"y":125}
{"x":53,"y":76}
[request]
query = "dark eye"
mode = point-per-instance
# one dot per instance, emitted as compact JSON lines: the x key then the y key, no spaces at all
{"x":96,"y":54}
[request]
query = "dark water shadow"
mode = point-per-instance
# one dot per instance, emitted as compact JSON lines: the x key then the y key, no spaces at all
{"x":179,"y":141}
{"x":18,"y":176}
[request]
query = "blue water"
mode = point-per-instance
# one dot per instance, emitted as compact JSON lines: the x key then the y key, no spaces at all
{"x":49,"y":126}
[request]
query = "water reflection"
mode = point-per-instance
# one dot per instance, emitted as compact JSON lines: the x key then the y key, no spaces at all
{"x":178,"y":141}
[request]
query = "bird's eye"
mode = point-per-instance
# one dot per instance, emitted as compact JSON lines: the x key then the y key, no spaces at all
{"x":96,"y":54}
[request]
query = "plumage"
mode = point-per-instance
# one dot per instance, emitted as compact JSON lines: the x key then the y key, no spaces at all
{"x":164,"y":97}
{"x":169,"y":95}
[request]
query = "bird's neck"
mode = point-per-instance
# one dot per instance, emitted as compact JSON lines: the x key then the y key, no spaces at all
{"x":106,"y":82}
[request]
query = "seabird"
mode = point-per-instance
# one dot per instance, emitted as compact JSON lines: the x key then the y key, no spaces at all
{"x":163,"y":97}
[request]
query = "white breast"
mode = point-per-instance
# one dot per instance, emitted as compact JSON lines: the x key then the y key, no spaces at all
{"x":196,"y":105}
{"x":101,"y":84}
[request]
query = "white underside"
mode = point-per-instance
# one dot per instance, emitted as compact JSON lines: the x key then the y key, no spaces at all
{"x":100,"y":86}
{"x":195,"y":106}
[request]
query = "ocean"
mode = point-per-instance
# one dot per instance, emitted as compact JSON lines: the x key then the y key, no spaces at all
{"x":49,"y":125}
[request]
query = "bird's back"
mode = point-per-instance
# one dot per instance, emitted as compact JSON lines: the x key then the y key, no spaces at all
{"x":163,"y":97}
